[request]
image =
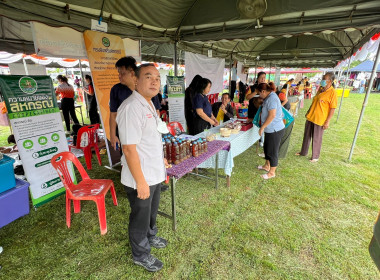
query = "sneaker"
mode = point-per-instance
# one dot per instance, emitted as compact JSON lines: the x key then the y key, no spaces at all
{"x":158,"y":242}
{"x":150,"y":263}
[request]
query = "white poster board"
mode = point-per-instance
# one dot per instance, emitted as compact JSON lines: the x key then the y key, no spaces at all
{"x":177,"y":110}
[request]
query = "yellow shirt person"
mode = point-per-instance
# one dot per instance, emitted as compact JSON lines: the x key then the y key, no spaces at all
{"x":320,"y":108}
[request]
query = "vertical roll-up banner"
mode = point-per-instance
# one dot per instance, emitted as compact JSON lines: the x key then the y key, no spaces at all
{"x":103,"y":50}
{"x":176,"y":99}
{"x":38,"y":130}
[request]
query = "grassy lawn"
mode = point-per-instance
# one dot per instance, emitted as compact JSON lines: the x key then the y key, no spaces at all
{"x":313,"y":221}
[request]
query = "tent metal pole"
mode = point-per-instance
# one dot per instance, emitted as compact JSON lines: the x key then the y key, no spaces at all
{"x":229,"y":81}
{"x":255,"y":71}
{"x":365,"y":101}
{"x":175,"y":59}
{"x":84,"y":94}
{"x":344,"y":87}
{"x":25,"y":66}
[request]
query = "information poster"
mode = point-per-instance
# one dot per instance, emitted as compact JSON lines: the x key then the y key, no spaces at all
{"x":176,"y":99}
{"x":38,"y":129}
{"x":103,"y":50}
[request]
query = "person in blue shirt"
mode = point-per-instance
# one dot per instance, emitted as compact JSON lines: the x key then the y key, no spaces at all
{"x":126,"y":67}
{"x":203,"y":117}
{"x":273,"y":127}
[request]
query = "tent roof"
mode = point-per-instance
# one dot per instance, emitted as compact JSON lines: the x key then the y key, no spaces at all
{"x":366,"y":66}
{"x":336,"y":28}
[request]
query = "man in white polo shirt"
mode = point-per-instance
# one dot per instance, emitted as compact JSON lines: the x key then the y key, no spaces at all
{"x":143,"y":165}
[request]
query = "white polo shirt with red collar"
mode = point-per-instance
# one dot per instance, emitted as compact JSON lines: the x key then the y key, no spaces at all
{"x":137,"y":122}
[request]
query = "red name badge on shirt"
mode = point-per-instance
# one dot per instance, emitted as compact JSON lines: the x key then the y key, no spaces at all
{"x":149,"y":116}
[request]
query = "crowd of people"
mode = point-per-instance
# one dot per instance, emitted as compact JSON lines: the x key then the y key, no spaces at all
{"x":136,"y":128}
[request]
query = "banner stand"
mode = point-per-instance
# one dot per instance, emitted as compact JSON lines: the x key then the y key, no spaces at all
{"x":103,"y":50}
{"x":37,"y":126}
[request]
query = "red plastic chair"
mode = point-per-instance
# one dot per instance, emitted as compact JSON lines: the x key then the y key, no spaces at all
{"x":175,"y":128}
{"x":87,"y":189}
{"x":92,"y":136}
{"x":307,"y":93}
{"x":164,"y":115}
{"x":213,"y":98}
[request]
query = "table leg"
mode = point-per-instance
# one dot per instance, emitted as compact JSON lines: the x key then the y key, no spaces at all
{"x":173,"y":182}
{"x":228,"y":179}
{"x":216,"y":170}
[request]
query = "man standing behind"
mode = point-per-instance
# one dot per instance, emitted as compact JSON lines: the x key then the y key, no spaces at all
{"x":126,"y":67}
{"x":143,"y":165}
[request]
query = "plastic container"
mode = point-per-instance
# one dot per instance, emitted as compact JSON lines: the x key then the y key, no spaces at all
{"x":340,"y":90}
{"x":14,"y":203}
{"x":242,"y":113}
{"x":7,"y":174}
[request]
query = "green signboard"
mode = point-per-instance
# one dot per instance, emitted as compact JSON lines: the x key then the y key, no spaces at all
{"x":37,"y":126}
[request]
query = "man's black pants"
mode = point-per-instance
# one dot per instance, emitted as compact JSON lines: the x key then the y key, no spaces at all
{"x":142,"y":220}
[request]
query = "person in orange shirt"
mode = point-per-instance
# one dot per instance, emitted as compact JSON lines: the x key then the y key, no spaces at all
{"x":318,"y":117}
{"x":66,"y":92}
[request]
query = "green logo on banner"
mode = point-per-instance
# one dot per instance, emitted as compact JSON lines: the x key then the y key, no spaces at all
{"x":51,"y":183}
{"x":27,"y":85}
{"x":28,"y":144}
{"x":106,"y":42}
{"x":42,"y":140}
{"x":55,"y":137}
{"x":46,"y":152}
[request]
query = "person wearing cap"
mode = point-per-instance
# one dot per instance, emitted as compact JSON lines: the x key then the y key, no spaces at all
{"x":143,"y":164}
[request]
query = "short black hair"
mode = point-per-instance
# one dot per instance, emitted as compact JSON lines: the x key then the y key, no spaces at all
{"x":226,"y":93}
{"x":11,"y":139}
{"x":88,"y":77}
{"x":138,"y":69}
{"x":202,"y":84}
{"x":127,"y":62}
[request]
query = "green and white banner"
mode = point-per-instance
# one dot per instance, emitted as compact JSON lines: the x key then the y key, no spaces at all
{"x":175,"y":84}
{"x":176,"y":99}
{"x":37,"y":126}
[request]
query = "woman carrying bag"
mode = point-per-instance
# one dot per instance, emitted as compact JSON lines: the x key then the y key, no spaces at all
{"x":273,"y":126}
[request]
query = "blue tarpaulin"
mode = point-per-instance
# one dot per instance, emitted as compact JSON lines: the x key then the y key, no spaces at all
{"x":366,"y":66}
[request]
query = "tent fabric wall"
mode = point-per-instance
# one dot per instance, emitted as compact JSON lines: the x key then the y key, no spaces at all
{"x":366,"y":66}
{"x":208,"y":67}
{"x":337,"y":27}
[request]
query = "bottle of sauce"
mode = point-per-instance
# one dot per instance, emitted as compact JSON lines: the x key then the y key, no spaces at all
{"x":173,"y":153}
{"x":164,"y":148}
{"x":195,"y":149}
{"x":180,"y":148}
{"x":168,"y":151}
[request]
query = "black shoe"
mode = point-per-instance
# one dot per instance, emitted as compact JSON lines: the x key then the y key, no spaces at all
{"x":158,"y":242}
{"x":150,"y":263}
{"x":164,"y":188}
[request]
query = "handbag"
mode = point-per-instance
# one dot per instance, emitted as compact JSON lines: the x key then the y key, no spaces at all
{"x":287,"y":117}
{"x":257,"y":119}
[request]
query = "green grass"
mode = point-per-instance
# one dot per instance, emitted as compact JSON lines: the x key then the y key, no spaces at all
{"x":313,"y":221}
